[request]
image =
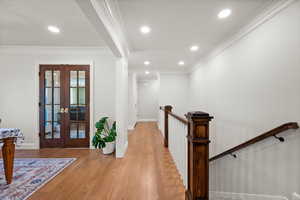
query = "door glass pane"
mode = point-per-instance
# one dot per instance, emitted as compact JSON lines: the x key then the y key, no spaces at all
{"x":56,"y":96}
{"x":73,"y":96}
{"x":81,"y":96}
{"x":48,"y":113}
{"x":81,"y":113}
{"x":73,"y":113}
{"x":48,"y":78}
{"x":48,"y":130}
{"x":73,"y":130}
{"x":56,"y":129}
{"x":81,"y":130}
{"x":56,"y":78}
{"x":81,"y":78}
{"x":76,"y":124}
{"x":48,"y":96}
{"x":73,"y":78}
{"x":57,"y":114}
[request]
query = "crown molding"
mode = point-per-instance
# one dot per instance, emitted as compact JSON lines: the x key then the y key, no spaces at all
{"x":157,"y":70}
{"x":29,"y":50}
{"x":174,"y":73}
{"x":266,"y":15}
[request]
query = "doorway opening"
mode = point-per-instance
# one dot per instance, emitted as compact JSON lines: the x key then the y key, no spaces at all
{"x":147,"y":97}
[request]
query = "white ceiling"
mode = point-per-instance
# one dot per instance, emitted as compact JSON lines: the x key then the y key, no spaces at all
{"x":24,"y":22}
{"x":175,"y":24}
{"x":178,"y":24}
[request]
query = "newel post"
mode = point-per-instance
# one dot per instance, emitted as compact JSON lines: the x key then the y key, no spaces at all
{"x":198,"y":156}
{"x":168,"y":108}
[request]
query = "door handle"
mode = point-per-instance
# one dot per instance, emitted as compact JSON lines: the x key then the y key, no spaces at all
{"x":64,"y":110}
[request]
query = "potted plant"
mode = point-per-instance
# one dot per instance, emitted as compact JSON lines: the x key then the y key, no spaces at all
{"x":105,"y":136}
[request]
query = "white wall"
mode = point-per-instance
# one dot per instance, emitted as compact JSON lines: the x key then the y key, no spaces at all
{"x":132,"y":100}
{"x":251,"y":87}
{"x":19,"y":84}
{"x":148,"y":99}
{"x":122,"y":107}
{"x":174,"y":91}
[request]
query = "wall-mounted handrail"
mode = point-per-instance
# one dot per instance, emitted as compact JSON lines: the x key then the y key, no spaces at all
{"x":272,"y":133}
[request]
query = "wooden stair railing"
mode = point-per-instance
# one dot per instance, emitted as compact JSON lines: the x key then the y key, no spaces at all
{"x":198,"y":152}
{"x":167,"y":109}
{"x":198,"y":148}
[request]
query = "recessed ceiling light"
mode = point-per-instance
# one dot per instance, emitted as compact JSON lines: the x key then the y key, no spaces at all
{"x":181,"y":63}
{"x":194,"y":48}
{"x":145,"y":29}
{"x":53,"y":29}
{"x":224,"y":13}
{"x":147,"y":72}
{"x":147,"y":62}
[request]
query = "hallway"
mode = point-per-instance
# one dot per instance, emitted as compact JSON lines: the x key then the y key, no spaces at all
{"x":146,"y":172}
{"x":214,"y":86}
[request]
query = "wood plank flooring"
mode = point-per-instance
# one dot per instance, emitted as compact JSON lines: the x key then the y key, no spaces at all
{"x":147,"y":172}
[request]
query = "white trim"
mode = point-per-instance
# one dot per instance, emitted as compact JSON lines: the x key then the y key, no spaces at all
{"x":125,"y":148}
{"x":92,"y":127}
{"x":131,"y":127}
{"x":158,"y":70}
{"x":268,"y":14}
{"x":37,"y":95}
{"x":147,"y":120}
{"x":174,"y":72}
{"x":27,"y":146}
{"x":245,"y":196}
{"x":24,"y":146}
{"x":58,"y":50}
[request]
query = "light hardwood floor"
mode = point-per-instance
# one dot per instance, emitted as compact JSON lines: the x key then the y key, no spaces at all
{"x":146,"y":173}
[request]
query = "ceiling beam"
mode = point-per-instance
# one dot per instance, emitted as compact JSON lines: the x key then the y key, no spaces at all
{"x":101,"y":15}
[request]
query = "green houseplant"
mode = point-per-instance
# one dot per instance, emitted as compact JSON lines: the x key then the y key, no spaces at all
{"x":105,"y":136}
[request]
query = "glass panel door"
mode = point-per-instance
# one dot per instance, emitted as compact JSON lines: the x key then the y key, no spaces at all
{"x":78,"y":115}
{"x":64,"y":106}
{"x":50,"y":107}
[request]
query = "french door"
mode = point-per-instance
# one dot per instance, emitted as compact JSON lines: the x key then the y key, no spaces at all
{"x":64,"y":106}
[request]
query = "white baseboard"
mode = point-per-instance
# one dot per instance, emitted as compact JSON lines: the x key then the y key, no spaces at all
{"x":214,"y":195}
{"x":147,"y":120}
{"x":27,"y":146}
{"x":24,"y":146}
{"x":131,"y":127}
{"x":126,"y":147}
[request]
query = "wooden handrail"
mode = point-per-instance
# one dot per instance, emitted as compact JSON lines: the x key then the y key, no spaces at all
{"x":271,"y":133}
{"x":181,"y":119}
